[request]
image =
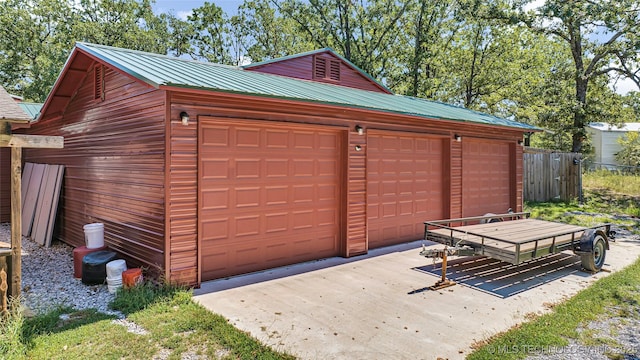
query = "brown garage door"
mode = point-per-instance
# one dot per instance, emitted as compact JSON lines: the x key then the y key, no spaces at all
{"x":269,"y":195}
{"x":485,"y":177}
{"x":404,"y":186}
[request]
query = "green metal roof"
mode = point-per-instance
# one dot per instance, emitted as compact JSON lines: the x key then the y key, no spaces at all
{"x":31,"y":109}
{"x":160,"y":70}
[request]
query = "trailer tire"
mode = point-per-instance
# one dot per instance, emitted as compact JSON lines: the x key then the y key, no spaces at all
{"x":594,"y":260}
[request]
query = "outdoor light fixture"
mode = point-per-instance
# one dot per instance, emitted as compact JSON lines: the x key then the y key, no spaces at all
{"x":457,"y":137}
{"x":185,"y":118}
{"x":520,"y":142}
{"x":358,"y":148}
{"x":359,"y":130}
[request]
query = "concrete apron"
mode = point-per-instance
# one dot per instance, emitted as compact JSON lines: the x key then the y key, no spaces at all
{"x":376,"y":306}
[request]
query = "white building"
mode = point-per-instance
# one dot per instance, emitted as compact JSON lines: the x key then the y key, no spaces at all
{"x":604,"y":138}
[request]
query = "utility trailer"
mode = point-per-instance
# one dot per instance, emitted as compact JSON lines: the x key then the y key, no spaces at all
{"x":514,"y":238}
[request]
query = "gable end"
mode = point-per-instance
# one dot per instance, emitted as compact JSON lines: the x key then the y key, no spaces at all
{"x":321,"y":66}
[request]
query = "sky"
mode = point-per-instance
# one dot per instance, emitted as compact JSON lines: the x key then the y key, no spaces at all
{"x":183,"y":8}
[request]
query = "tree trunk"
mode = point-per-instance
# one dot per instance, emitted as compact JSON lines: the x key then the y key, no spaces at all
{"x":579,"y":114}
{"x":418,"y":50}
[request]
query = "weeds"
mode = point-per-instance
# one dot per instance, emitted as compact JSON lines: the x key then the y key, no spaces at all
{"x":11,"y":325}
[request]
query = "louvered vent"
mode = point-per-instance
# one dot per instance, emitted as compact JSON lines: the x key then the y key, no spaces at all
{"x":98,"y":82}
{"x":319,"y":68}
{"x":334,"y":71}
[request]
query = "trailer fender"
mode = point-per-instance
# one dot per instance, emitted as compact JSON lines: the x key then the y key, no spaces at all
{"x":592,"y":249}
{"x":587,"y":241}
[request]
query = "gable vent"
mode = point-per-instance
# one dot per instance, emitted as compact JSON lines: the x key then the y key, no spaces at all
{"x":98,"y":82}
{"x":326,"y":69}
{"x":320,"y":68}
{"x":334,"y":71}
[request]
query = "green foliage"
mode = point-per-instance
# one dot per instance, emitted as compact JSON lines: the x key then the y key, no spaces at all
{"x":490,"y":56}
{"x":172,"y":325}
{"x":629,"y":153}
{"x":142,"y":296}
{"x":11,"y":339}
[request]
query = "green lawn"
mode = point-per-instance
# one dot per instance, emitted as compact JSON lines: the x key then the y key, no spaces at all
{"x":169,"y":323}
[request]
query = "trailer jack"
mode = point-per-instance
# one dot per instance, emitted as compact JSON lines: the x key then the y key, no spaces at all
{"x":442,"y":254}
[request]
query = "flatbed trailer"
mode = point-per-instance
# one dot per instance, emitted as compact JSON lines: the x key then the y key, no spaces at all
{"x":514,"y":238}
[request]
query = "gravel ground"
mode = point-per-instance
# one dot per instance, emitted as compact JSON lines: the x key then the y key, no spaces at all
{"x":48,"y":282}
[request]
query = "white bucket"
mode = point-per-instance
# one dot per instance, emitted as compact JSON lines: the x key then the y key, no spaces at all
{"x":94,"y":235}
{"x":113,"y":288}
{"x":115,"y":268}
{"x":114,"y":282}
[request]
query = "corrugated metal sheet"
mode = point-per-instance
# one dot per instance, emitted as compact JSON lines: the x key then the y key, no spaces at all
{"x":159,"y":70}
{"x":31,"y":109}
{"x":114,"y":157}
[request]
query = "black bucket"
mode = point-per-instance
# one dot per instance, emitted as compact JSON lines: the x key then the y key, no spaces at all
{"x":94,"y":267}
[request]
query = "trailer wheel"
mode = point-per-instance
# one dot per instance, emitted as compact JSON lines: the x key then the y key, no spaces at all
{"x":593,"y":261}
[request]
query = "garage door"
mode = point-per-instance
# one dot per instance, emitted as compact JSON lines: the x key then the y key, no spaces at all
{"x":404,"y":186}
{"x":485,"y":177}
{"x":269,"y":196}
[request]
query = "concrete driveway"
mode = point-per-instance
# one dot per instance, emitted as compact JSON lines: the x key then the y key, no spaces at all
{"x":376,"y":306}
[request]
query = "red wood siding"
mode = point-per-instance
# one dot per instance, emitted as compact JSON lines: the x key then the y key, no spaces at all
{"x":517,"y":175}
{"x":455,"y":204}
{"x":5,"y":184}
{"x":114,"y":166}
{"x":182,"y":200}
{"x":356,"y":241}
{"x":303,"y":68}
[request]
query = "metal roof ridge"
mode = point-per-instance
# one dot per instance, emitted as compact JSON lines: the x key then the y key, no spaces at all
{"x":164,"y":56}
{"x":286,"y":57}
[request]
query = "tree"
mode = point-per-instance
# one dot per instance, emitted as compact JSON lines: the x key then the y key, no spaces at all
{"x":209,"y":33}
{"x":37,"y":36}
{"x":602,"y":37}
{"x":264,"y":34}
{"x":34,"y":43}
{"x":414,"y":63}
{"x":360,"y":31}
{"x":629,"y":153}
{"x":129,"y":24}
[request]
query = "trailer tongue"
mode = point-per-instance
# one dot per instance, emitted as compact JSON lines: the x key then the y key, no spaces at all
{"x":514,"y":238}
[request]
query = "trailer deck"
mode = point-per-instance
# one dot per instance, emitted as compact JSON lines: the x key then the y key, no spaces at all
{"x":515,"y":240}
{"x":511,"y":241}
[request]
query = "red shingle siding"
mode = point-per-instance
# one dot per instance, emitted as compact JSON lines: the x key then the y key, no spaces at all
{"x":114,"y":166}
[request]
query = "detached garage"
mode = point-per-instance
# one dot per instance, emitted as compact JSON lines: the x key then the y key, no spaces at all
{"x":203,"y":171}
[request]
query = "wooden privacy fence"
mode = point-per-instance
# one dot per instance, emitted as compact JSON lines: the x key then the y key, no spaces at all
{"x":551,"y":175}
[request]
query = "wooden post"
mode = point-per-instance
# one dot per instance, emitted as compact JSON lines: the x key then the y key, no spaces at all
{"x":16,"y":220}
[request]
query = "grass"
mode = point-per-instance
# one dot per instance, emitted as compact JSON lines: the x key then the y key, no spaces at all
{"x":174,"y":326}
{"x":552,"y":330}
{"x":614,"y":195}
{"x":617,"y":295}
